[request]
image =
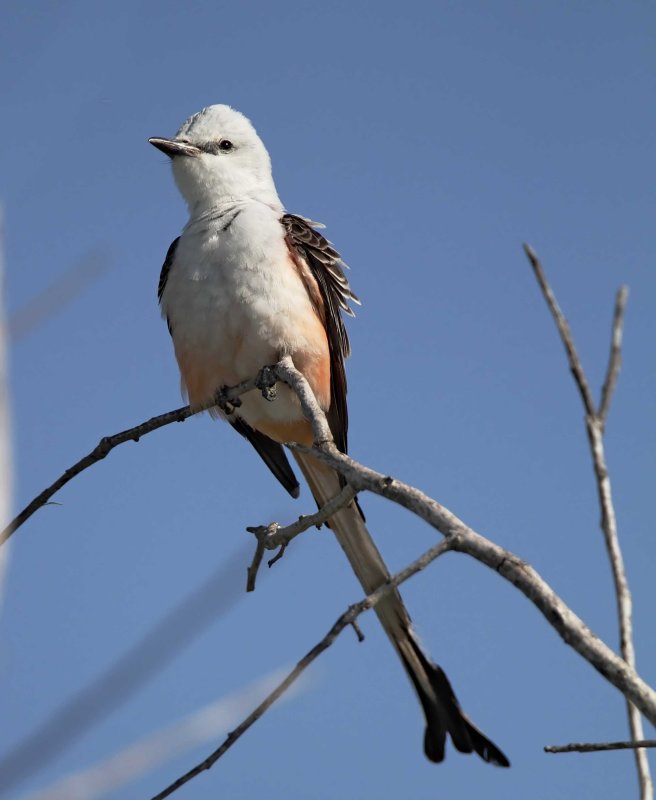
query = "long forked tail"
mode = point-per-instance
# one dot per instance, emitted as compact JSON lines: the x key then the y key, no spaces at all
{"x":441,"y":708}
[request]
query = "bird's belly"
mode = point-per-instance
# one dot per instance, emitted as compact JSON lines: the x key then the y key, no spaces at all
{"x":230,"y":319}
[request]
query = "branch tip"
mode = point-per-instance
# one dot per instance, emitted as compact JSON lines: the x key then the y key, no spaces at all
{"x":358,"y":631}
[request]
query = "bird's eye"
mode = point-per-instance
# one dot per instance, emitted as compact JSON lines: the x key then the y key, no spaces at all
{"x":225,"y":146}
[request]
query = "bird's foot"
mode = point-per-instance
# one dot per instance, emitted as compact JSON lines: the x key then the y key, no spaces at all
{"x":225,"y":403}
{"x":266,"y":383}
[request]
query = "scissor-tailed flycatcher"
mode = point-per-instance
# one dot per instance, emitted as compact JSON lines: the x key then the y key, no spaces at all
{"x":245,"y":284}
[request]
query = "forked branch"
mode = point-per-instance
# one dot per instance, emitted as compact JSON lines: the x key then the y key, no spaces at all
{"x":595,"y":422}
{"x":273,"y":535}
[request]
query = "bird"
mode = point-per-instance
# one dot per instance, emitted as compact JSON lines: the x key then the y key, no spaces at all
{"x":245,"y":284}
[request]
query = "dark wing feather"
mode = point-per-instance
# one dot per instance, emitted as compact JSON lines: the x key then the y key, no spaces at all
{"x":270,"y":452}
{"x":164,"y":274}
{"x":325,"y":264}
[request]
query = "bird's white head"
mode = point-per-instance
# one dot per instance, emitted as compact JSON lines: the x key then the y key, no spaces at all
{"x":218,"y":158}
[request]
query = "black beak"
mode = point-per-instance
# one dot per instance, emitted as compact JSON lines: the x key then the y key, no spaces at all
{"x":173,"y":148}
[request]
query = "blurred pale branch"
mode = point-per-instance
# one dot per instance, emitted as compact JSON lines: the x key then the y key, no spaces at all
{"x":44,"y":305}
{"x":157,"y":748}
{"x":595,"y":422}
{"x":60,"y":292}
{"x":156,"y":648}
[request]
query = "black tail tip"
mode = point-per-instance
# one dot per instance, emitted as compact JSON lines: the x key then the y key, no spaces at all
{"x":466,"y":737}
{"x":435,"y":746}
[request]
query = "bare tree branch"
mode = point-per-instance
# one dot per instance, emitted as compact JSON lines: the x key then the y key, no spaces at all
{"x":465,"y":540}
{"x":598,"y":747}
{"x":595,"y":423}
{"x":347,"y":619}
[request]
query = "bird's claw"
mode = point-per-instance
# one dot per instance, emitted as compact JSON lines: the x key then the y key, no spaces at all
{"x":266,"y":383}
{"x":226,"y":404}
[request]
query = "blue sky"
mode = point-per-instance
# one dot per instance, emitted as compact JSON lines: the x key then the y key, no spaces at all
{"x":432,"y":139}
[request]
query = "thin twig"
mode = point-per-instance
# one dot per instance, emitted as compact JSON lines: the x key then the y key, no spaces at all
{"x":108,"y":443}
{"x":102,"y":449}
{"x":564,"y":330}
{"x":598,"y":747}
{"x":358,"y":631}
{"x":615,"y":356}
{"x":346,"y":619}
{"x":595,"y":422}
{"x":273,"y":535}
